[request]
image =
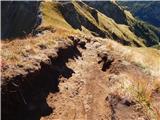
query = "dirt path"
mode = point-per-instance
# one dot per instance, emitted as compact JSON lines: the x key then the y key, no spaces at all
{"x":82,"y":83}
{"x":86,"y":94}
{"x":82,"y":96}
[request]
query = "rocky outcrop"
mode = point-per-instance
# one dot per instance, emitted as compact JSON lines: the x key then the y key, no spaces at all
{"x":19,"y":18}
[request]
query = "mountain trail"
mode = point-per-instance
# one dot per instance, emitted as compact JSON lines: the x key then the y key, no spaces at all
{"x":85,"y":81}
{"x":82,"y":96}
{"x":86,"y":95}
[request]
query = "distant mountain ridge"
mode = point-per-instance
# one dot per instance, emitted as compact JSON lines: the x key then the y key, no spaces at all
{"x":146,"y":31}
{"x":148,"y":11}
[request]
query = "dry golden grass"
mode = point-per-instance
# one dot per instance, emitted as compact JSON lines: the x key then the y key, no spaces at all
{"x":146,"y":58}
{"x":156,"y":84}
{"x":144,"y":95}
{"x":138,"y":87}
{"x":141,"y":91}
{"x":52,"y":17}
{"x":16,"y":51}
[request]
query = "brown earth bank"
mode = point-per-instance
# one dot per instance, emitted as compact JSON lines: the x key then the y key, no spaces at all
{"x":83,"y":78}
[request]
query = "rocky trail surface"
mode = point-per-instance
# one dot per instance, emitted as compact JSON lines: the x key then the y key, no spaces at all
{"x":85,"y":95}
{"x":82,"y":96}
{"x":85,"y":81}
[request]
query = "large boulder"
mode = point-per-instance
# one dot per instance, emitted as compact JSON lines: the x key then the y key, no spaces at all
{"x":19,"y":18}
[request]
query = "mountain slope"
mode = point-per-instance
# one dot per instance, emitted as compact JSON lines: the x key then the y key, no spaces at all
{"x":145,"y":10}
{"x":79,"y":16}
{"x":15,"y":14}
{"x":150,"y":34}
{"x":80,"y":65}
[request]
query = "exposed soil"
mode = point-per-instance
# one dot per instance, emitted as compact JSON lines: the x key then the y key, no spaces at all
{"x":76,"y":86}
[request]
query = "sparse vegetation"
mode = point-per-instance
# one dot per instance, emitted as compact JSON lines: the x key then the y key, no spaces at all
{"x":141,"y":90}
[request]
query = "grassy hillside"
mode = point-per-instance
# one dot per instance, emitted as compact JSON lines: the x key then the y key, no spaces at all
{"x":79,"y":17}
{"x":149,"y":33}
{"x":97,"y":19}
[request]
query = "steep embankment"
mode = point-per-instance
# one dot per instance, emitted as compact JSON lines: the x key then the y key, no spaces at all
{"x":27,"y":82}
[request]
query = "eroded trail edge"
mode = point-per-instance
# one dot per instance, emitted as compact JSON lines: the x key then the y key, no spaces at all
{"x":78,"y":84}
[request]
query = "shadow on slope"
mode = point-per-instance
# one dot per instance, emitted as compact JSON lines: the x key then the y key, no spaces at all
{"x":77,"y":20}
{"x":25,"y":98}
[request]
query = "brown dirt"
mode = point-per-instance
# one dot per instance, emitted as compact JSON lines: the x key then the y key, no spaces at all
{"x":86,"y":96}
{"x":80,"y":84}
